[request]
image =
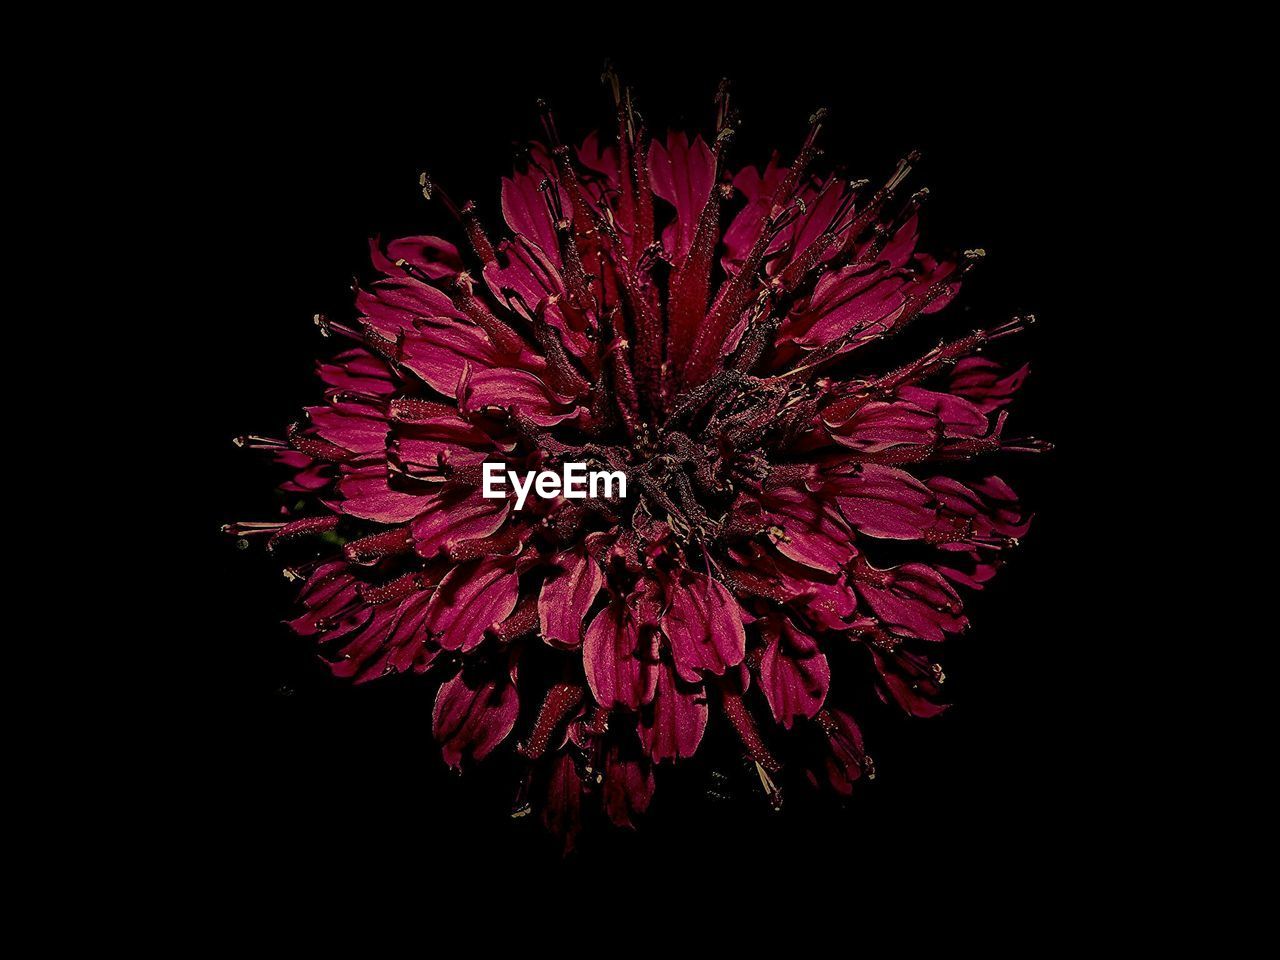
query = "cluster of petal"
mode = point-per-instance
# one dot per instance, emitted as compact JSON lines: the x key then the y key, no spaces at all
{"x":650,"y":311}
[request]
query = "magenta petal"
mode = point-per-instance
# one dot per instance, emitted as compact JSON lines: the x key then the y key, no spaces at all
{"x":529,"y":284}
{"x":474,"y":712}
{"x":990,"y":506}
{"x":427,"y":455}
{"x":914,"y":600}
{"x":562,"y":804}
{"x":826,"y":604}
{"x":758,"y":189}
{"x":822,"y":203}
{"x":959,"y":417}
{"x":435,"y":257}
{"x":517,"y":390}
{"x":523,"y":270}
{"x":794,"y":673}
{"x":567,"y":595}
{"x":628,"y":787}
{"x":357,"y":371}
{"x":703,"y":623}
{"x":399,"y":305}
{"x":470,"y":599}
{"x":808,"y":529}
{"x":878,"y":427}
{"x":367,"y":494}
{"x":439,"y":350}
{"x":364,"y":644}
{"x":826,"y":601}
{"x":985,"y":383}
{"x":855,"y":304}
{"x":883,"y":501}
{"x":936,"y":272}
{"x":848,"y":758}
{"x":682,"y":174}
{"x":671,"y":727}
{"x":600,"y":155}
{"x":328,"y":595}
{"x":390,"y":644}
{"x":907,"y":679}
{"x":309,"y":476}
{"x":357,"y":427}
{"x":620,"y":670}
{"x":453,"y":516}
{"x":524,"y":206}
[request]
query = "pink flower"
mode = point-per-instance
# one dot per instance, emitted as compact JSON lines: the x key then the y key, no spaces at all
{"x":791,"y":529}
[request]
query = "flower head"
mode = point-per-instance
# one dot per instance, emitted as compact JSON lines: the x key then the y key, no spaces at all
{"x":791,"y":509}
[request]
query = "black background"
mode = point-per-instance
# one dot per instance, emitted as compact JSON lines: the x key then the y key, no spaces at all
{"x":309,"y":158}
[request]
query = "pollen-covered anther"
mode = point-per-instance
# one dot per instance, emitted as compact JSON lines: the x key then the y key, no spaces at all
{"x":480,"y":243}
{"x":255,"y":442}
{"x":416,"y":410}
{"x":249,"y":528}
{"x":503,"y":543}
{"x":521,"y":623}
{"x":503,"y":337}
{"x":561,"y":700}
{"x":971,"y":259}
{"x":315,"y":447}
{"x":745,"y":726}
{"x":1012,"y":326}
{"x":392,"y":590}
{"x":1026,"y":445}
{"x":371,"y":549}
{"x":307,"y":526}
{"x":772,"y":791}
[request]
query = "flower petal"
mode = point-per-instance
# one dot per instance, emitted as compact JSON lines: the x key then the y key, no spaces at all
{"x":809,"y":529}
{"x":913,"y":600}
{"x":471,"y":598}
{"x":474,"y":712}
{"x":703,"y":622}
{"x":986,"y":383}
{"x":620,"y":670}
{"x":794,"y":673}
{"x":367,"y":493}
{"x":452,"y":516}
{"x":682,"y":173}
{"x":671,"y":727}
{"x":562,"y":803}
{"x":436,"y":257}
{"x":400,"y":304}
{"x":883,"y":501}
{"x":567,"y":595}
{"x":628,"y":786}
{"x":516,"y":390}
{"x":847,"y":759}
{"x":524,"y":206}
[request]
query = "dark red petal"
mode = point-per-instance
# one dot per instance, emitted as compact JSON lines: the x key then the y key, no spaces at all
{"x":703,"y":623}
{"x":794,"y":673}
{"x":671,"y":727}
{"x":474,"y":712}
{"x":566,"y":596}
{"x":620,"y":668}
{"x":470,"y":599}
